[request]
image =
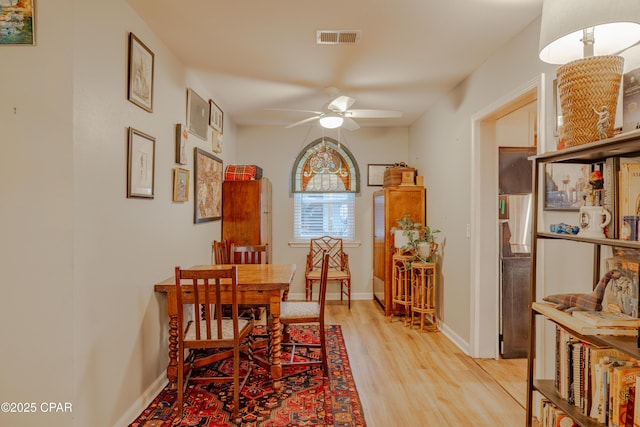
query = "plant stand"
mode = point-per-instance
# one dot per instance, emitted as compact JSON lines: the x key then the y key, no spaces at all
{"x":401,"y":285}
{"x":423,"y":300}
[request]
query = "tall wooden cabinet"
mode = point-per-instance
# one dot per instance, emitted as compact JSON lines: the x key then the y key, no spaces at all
{"x":246,"y":212}
{"x":389,"y":204}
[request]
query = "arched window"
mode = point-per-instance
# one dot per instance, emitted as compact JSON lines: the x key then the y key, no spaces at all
{"x":324,"y":180}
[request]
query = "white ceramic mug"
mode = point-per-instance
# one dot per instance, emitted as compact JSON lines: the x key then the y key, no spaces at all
{"x":593,"y":220}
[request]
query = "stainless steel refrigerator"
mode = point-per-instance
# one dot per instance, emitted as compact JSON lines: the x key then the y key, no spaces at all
{"x":514,"y":217}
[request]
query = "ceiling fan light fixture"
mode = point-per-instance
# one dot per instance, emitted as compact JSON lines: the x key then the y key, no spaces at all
{"x":331,"y":121}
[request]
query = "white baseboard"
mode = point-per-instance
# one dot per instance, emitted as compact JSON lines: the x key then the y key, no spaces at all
{"x":456,"y":339}
{"x":143,"y":401}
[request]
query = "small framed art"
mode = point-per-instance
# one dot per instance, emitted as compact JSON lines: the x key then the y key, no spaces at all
{"x":216,"y":142}
{"x":180,"y":185}
{"x":17,"y":23}
{"x":141,"y":60}
{"x":565,"y":186}
{"x":141,"y":164}
{"x":375,"y":176}
{"x":181,"y":144}
{"x":207,"y":195}
{"x":216,"y":117}
{"x":197,"y":115}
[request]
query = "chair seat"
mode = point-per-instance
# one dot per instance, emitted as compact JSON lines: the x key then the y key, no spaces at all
{"x":227,"y":329}
{"x":299,"y":310}
{"x":331,"y":275}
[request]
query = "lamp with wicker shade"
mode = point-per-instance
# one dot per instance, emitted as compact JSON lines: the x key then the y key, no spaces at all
{"x":587,"y":36}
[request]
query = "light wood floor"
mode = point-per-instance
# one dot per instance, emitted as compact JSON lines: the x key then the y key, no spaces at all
{"x":409,"y":378}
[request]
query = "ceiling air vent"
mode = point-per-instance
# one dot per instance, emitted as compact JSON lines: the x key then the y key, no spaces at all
{"x":338,"y":37}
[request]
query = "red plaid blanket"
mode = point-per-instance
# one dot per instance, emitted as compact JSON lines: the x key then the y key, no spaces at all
{"x":242,"y":172}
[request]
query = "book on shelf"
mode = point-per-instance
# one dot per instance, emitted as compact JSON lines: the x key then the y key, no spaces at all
{"x":628,"y":418}
{"x":610,"y":176}
{"x":607,"y":318}
{"x":629,"y":196}
{"x":636,"y":404}
{"x":624,"y":377}
{"x":622,"y":293}
{"x":631,"y":100}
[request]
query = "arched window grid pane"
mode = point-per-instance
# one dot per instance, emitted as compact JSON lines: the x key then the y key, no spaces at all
{"x":324,"y":180}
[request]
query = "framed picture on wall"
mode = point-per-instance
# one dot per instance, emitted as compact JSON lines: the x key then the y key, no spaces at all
{"x":180,"y":185}
{"x":216,"y":117}
{"x":18,"y":23}
{"x":197,"y":115}
{"x":141,"y":164}
{"x":181,"y":144}
{"x":207,"y":195}
{"x":141,"y":60}
{"x":375,"y":174}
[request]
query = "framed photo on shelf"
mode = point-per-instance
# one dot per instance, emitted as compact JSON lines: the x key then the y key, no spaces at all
{"x":197,"y":115}
{"x":207,"y":195}
{"x":565,"y":186}
{"x":180,"y":185}
{"x":141,"y":60}
{"x":181,"y":144}
{"x":375,"y":174}
{"x":216,"y":117}
{"x":18,"y":23}
{"x":141,"y":164}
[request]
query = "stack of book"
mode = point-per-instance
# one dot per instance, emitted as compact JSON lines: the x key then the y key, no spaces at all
{"x":609,"y":322}
{"x":601,"y":382}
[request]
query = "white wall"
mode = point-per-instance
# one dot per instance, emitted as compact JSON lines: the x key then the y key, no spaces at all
{"x":440,"y":143}
{"x":36,"y":226}
{"x":276,"y":148}
{"x":82,"y":323}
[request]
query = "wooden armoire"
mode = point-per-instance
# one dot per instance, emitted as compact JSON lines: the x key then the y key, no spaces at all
{"x":389,"y":204}
{"x":246,"y":212}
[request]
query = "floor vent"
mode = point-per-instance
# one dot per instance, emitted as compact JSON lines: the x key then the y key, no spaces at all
{"x":338,"y":37}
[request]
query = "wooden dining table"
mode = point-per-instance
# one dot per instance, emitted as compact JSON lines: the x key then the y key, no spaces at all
{"x":261,"y":284}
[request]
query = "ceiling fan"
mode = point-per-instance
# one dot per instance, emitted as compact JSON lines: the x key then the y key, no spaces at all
{"x":337,"y":113}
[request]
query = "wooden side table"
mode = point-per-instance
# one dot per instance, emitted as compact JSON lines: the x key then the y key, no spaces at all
{"x":423,"y":300}
{"x":401,"y":285}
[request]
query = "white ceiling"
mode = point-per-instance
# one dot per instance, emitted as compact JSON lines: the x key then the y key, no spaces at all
{"x":261,"y":54}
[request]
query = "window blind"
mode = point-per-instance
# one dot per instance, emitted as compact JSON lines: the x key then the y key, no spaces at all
{"x":322,"y":214}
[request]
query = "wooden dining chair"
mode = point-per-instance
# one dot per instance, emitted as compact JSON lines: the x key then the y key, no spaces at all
{"x":249,"y":254}
{"x":220,"y":252}
{"x":296,"y":312}
{"x":338,"y":265}
{"x":196,"y":291}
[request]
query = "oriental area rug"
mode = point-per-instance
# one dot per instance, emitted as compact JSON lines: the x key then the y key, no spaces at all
{"x":305,"y":399}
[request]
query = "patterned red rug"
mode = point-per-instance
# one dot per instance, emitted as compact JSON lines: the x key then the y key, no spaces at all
{"x":305,"y":399}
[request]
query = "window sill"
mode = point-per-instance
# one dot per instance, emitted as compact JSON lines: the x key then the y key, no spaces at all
{"x":305,"y":244}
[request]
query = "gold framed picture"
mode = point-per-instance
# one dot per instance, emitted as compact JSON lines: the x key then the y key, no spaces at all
{"x":181,"y":185}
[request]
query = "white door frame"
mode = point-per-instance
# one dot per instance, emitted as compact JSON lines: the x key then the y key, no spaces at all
{"x":484,"y":272}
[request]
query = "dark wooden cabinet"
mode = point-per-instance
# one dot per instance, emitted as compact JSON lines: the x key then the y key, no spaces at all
{"x":246,"y":212}
{"x":389,"y":204}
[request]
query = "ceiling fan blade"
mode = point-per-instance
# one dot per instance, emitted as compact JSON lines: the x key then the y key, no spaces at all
{"x":301,"y":122}
{"x":373,"y":114}
{"x":350,"y":124}
{"x":341,"y":103}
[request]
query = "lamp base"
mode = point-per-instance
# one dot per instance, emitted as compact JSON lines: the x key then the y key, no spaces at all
{"x":588,"y":91}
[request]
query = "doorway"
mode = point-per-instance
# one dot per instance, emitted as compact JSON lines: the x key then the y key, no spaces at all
{"x":485,"y":274}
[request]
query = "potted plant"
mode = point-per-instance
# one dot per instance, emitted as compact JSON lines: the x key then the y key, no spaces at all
{"x":405,"y":232}
{"x":415,"y":238}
